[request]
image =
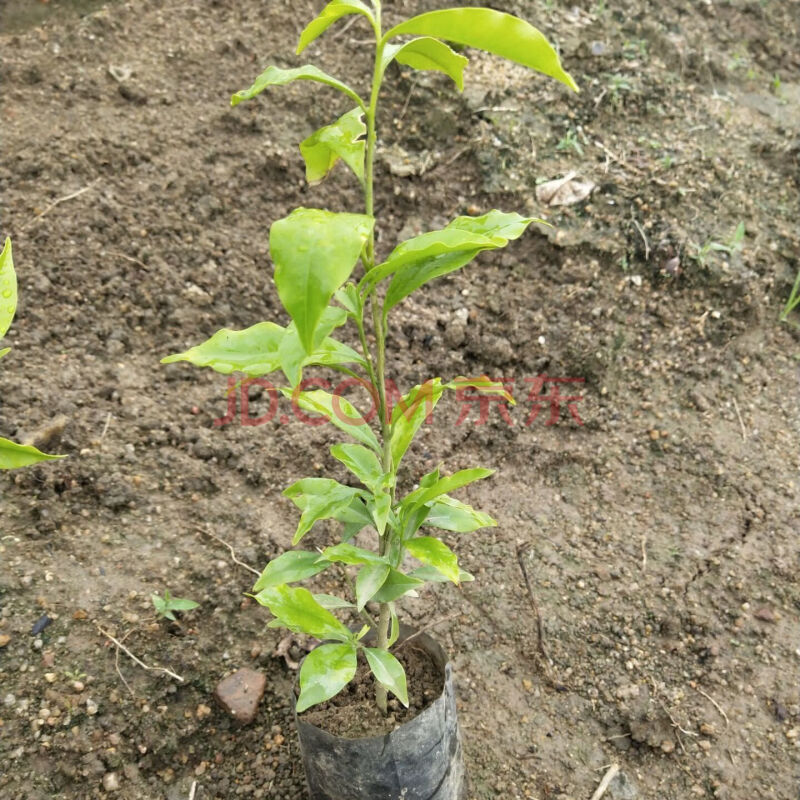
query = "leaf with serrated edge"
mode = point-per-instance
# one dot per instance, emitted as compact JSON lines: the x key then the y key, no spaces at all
{"x":326,"y":670}
{"x":494,"y":31}
{"x":389,"y":672}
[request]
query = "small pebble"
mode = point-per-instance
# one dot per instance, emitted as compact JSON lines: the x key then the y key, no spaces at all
{"x":91,"y":707}
{"x":111,"y":781}
{"x":50,"y":677}
{"x":4,"y":639}
{"x":78,"y":686}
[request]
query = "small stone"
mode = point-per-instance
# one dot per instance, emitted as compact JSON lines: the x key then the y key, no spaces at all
{"x":91,"y":707}
{"x":668,"y":746}
{"x":704,"y":744}
{"x":111,"y":781}
{"x":792,"y":733}
{"x":78,"y":686}
{"x":4,"y":639}
{"x":48,"y":658}
{"x":765,"y":614}
{"x":80,"y":614}
{"x":240,"y":693}
{"x":50,"y":677}
{"x":527,"y":685}
{"x":708,"y":730}
{"x":202,"y":711}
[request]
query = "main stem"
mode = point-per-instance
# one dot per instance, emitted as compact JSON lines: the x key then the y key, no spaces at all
{"x":377,"y":318}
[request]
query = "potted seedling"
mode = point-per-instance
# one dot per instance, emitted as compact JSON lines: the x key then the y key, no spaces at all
{"x":315,"y":254}
{"x":13,"y":455}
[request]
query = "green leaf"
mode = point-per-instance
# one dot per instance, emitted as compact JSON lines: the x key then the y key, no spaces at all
{"x":5,"y":351}
{"x":340,"y":412}
{"x":381,"y":508}
{"x":298,"y":611}
{"x":484,"y":385}
{"x":14,"y":456}
{"x":388,"y":671}
{"x":344,"y":139}
{"x":428,"y":54}
{"x":326,"y":351}
{"x":275,"y":76}
{"x":326,"y":670}
{"x":450,"y":514}
{"x":182,"y":604}
{"x":432,"y":575}
{"x":290,"y":567}
{"x":435,"y":554}
{"x":253,"y":351}
{"x":368,"y":581}
{"x":395,"y":586}
{"x":494,"y":31}
{"x":318,"y":498}
{"x":461,"y":478}
{"x":349,"y":297}
{"x":332,"y":12}
{"x":363,"y":463}
{"x":350,"y":554}
{"x":8,"y":290}
{"x":394,"y":628}
{"x":314,"y":253}
{"x":409,"y":414}
{"x":330,"y":602}
{"x":355,"y":518}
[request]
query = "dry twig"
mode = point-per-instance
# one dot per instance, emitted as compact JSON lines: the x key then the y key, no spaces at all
{"x":644,"y":239}
{"x":427,"y":628}
{"x":717,"y":706}
{"x":232,"y":551}
{"x":141,"y":663}
{"x":606,"y":782}
{"x":522,"y":550}
{"x":741,"y":421}
{"x":57,"y":202}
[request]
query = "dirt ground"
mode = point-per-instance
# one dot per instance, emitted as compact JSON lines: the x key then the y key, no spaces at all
{"x":659,"y":537}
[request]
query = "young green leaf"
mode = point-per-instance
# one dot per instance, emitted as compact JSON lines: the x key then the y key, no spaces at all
{"x":355,"y":517}
{"x":410,"y":413}
{"x":450,"y":514}
{"x":14,"y":456}
{"x":344,"y":139}
{"x":330,"y":602}
{"x":253,"y":351}
{"x":428,"y":54}
{"x":435,"y":554}
{"x":318,"y":498}
{"x":349,"y":297}
{"x":297,"y":610}
{"x":166,"y":605}
{"x":340,"y":412}
{"x":8,"y":289}
{"x":424,"y":495}
{"x":394,"y":627}
{"x":275,"y":76}
{"x":290,"y":567}
{"x":380,"y":506}
{"x":314,"y":253}
{"x":395,"y":586}
{"x":363,"y":463}
{"x":5,"y":351}
{"x":432,"y":575}
{"x":350,"y":554}
{"x":332,"y":12}
{"x":484,"y":385}
{"x":494,"y":31}
{"x":326,"y":670}
{"x":388,"y":671}
{"x":369,"y":579}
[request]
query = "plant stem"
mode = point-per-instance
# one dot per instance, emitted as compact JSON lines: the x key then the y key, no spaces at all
{"x":379,"y":374}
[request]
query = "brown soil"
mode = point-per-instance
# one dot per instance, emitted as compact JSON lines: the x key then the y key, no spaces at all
{"x":661,"y":535}
{"x":353,"y":713}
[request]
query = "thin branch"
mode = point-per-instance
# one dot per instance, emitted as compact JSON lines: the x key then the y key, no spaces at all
{"x":58,"y":202}
{"x":522,"y":550}
{"x":232,"y":551}
{"x":606,"y":782}
{"x":129,"y":258}
{"x":644,"y":239}
{"x":741,"y":421}
{"x":138,"y":660}
{"x":717,"y":706}
{"x":644,"y":552}
{"x":427,"y":628}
